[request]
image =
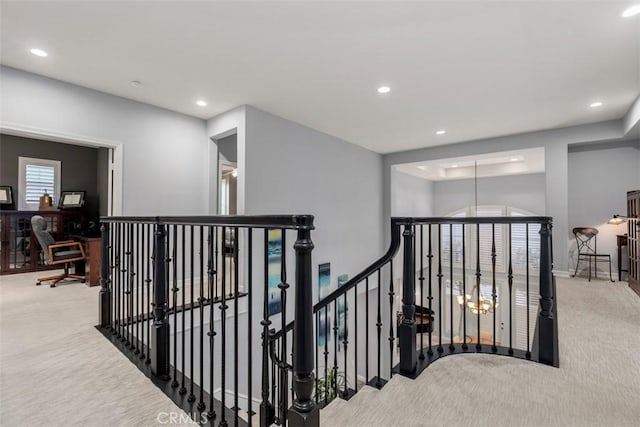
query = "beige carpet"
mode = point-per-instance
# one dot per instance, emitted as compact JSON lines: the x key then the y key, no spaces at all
{"x":57,"y":370}
{"x":598,"y":383}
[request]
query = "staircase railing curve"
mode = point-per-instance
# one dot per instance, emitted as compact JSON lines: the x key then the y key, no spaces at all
{"x":519,"y":322}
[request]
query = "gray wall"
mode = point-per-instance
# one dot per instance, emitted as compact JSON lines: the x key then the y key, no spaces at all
{"x":555,"y":142}
{"x":165,"y":153}
{"x":599,"y":177}
{"x":78,"y":166}
{"x":410,"y":195}
{"x":228,"y":148}
{"x":520,"y":191}
{"x":291,"y":168}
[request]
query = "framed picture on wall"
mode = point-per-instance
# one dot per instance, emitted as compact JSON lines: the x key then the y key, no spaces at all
{"x":71,"y":199}
{"x":6,"y":195}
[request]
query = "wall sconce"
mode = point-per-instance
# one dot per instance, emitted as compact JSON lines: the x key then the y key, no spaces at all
{"x":617,"y":219}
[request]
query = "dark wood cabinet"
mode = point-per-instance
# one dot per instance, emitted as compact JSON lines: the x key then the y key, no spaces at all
{"x":19,"y":250}
{"x":633,"y":239}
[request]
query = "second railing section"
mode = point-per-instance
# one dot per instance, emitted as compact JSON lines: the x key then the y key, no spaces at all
{"x":445,"y":286}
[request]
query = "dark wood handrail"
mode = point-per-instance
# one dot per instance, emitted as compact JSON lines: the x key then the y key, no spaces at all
{"x":292,"y":222}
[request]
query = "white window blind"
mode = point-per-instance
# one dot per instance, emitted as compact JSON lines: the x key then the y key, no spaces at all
{"x":38,"y":176}
{"x":451,"y":236}
{"x":39,"y":179}
{"x":487,"y":233}
{"x":519,"y":245}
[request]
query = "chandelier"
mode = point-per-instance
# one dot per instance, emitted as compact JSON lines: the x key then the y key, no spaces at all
{"x":482,"y":306}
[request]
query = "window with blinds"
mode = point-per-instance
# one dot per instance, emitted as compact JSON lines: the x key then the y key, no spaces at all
{"x":37,"y":176}
{"x":489,"y":236}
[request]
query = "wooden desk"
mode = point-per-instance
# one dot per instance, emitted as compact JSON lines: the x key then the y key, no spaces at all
{"x":621,"y":241}
{"x":93,"y":248}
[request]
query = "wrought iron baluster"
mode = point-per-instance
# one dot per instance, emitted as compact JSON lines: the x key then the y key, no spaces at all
{"x":528,"y":353}
{"x":440,"y":288}
{"x":478,"y":276}
{"x":183,"y":386}
{"x":250,"y":322}
{"x":235,"y":326}
{"x":378,"y":383}
{"x":421,"y":279}
{"x":223,"y":328}
{"x":366,"y":335}
{"x":430,"y":258}
{"x":451,"y":346}
{"x":392,"y":322}
{"x":212,"y":278}
{"x":326,"y":355}
{"x":283,"y":286}
{"x":317,"y":333}
{"x":266,"y":409}
{"x":355,"y":330}
{"x":192,"y":396}
{"x":139,"y":316}
{"x":494,"y":347}
{"x":334,"y":377}
{"x":464,"y":291}
{"x":510,"y":279}
{"x":175,"y":290}
{"x":201,"y":405}
{"x":149,"y":259}
{"x":345,"y":345}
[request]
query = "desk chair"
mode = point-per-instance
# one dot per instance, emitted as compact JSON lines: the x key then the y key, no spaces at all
{"x":57,"y":253}
{"x":588,"y":250}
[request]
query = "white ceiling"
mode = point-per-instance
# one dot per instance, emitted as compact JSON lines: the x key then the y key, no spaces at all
{"x":476,"y":68}
{"x":504,"y":163}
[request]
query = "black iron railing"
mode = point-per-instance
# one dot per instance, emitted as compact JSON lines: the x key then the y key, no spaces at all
{"x":482,"y":285}
{"x":204,"y":306}
{"x":179,"y":299}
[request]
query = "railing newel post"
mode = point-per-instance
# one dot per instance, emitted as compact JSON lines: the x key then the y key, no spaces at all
{"x":304,"y":411}
{"x":407,"y":328}
{"x":105,"y":292}
{"x":547,"y":327}
{"x":160,"y":339}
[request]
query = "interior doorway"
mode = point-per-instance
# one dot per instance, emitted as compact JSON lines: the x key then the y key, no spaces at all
{"x":227,"y":175}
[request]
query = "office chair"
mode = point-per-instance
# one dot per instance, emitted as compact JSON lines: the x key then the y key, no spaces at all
{"x":57,"y":253}
{"x":588,"y":250}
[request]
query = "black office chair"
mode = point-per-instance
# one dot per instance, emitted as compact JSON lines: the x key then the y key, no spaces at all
{"x":588,"y":250}
{"x":57,"y":253}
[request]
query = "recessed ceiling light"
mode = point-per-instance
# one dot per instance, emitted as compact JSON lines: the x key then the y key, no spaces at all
{"x":422,"y":167}
{"x":595,"y":104}
{"x":384,"y":89}
{"x":441,"y":132}
{"x":135,"y":83}
{"x":201,"y":103}
{"x":631,"y":11}
{"x":39,"y":52}
{"x":454,"y":166}
{"x":514,"y":159}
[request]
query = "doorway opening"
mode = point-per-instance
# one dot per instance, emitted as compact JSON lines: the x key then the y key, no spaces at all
{"x":228,"y":175}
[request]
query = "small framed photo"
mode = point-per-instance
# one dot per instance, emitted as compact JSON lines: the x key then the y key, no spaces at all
{"x":71,"y":199}
{"x":6,"y":195}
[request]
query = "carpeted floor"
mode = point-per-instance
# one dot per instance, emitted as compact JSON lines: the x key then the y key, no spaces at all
{"x":597,"y":384}
{"x":56,"y":369}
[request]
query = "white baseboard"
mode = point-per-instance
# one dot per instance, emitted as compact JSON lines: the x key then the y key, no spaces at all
{"x":561,"y":273}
